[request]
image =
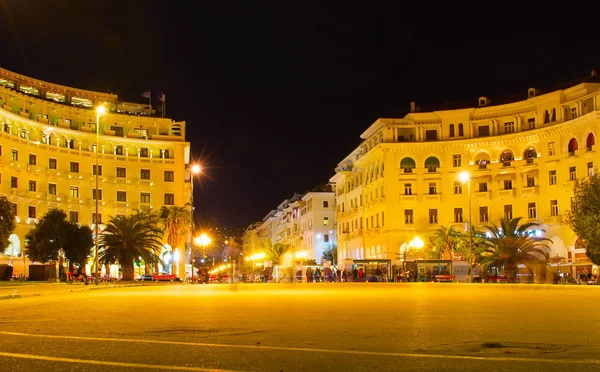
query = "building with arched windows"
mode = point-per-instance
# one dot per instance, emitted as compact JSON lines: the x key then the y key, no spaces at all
{"x":523,"y":153}
{"x":48,"y":147}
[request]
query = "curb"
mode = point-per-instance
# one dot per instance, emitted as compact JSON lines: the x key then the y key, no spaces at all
{"x":38,"y":294}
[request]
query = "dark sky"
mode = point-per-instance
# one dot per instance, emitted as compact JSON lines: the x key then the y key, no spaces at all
{"x":275,"y":95}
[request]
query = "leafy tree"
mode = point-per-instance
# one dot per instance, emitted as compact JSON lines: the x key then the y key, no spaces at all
{"x":510,"y":245}
{"x":126,"y":238}
{"x":52,"y":233}
{"x":330,"y":255}
{"x":446,"y":242}
{"x":7,"y":223}
{"x":176,"y":222}
{"x":276,"y":252}
{"x":584,"y":216}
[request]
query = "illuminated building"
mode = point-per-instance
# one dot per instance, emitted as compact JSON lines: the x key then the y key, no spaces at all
{"x":524,"y":154}
{"x":48,"y":143}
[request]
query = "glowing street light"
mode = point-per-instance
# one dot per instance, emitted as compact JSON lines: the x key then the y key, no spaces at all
{"x":195,"y":169}
{"x":203,"y":240}
{"x":100,"y":110}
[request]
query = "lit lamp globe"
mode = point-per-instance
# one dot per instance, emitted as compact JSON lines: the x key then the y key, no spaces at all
{"x":196,"y":169}
{"x":464,"y":176}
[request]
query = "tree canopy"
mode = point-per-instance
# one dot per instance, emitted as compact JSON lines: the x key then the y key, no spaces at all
{"x":54,"y":232}
{"x":584,"y":216}
{"x":7,"y":223}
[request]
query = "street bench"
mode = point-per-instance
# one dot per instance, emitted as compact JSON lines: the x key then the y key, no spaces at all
{"x":444,"y":278}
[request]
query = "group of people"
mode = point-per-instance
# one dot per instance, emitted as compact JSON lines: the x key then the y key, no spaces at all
{"x":77,"y":273}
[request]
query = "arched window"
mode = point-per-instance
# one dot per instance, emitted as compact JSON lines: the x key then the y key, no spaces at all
{"x":482,"y":160}
{"x":590,"y":141}
{"x":461,"y":130}
{"x":572,"y":147}
{"x":432,"y":164}
{"x":507,"y":157}
{"x":408,"y":164}
{"x":451,"y":130}
{"x":530,"y":154}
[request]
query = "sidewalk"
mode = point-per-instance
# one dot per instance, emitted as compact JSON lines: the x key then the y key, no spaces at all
{"x":17,"y":289}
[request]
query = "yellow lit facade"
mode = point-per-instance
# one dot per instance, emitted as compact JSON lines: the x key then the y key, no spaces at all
{"x":523,"y":156}
{"x":47,"y":160}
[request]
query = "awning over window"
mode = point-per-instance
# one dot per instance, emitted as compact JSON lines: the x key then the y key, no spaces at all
{"x":432,"y":162}
{"x":408,"y":163}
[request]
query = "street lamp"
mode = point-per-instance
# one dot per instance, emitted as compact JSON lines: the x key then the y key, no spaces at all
{"x":100,"y":110}
{"x":465,"y":177}
{"x":194,"y":170}
{"x":203,"y":240}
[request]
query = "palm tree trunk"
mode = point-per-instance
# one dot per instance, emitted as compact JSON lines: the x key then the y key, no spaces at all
{"x":510,"y":272}
{"x":127,"y":272}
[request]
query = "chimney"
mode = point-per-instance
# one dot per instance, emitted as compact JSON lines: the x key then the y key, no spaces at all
{"x":413,"y":107}
{"x":593,"y":72}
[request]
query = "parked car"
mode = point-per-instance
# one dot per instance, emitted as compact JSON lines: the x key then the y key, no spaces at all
{"x":162,"y":277}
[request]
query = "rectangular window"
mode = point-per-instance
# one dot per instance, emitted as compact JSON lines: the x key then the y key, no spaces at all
{"x":484,"y":130}
{"x":97,"y":218}
{"x":458,"y":215}
{"x":31,"y":211}
{"x":433,"y":216}
{"x":325,"y":221}
{"x":52,"y":189}
{"x":531,"y":123}
{"x":144,"y":152}
{"x":432,"y":188}
{"x":167,"y":154}
{"x":119,"y":150}
{"x":121,"y":172}
{"x":382,"y":219}
{"x":73,"y":216}
{"x":552,"y":175}
{"x":145,"y":197}
{"x":97,"y":192}
{"x":483,"y":214}
{"x":590,"y":168}
{"x":456,"y":161}
{"x":551,"y":150}
{"x":572,"y":173}
{"x":94,"y":170}
{"x":531,"y":212}
{"x":408,"y":217}
{"x":509,"y":127}
{"x":14,"y":208}
{"x":507,"y":184}
{"x":15,"y":155}
{"x":408,"y":189}
{"x":32,"y":185}
{"x":508,"y":211}
{"x":169,"y":176}
{"x":32,"y":159}
{"x":52,"y":163}
{"x":326,"y":238}
{"x":121,"y":196}
{"x":74,"y":192}
{"x":13,"y":182}
{"x":530,"y":181}
{"x":554,"y":207}
{"x":145,"y":174}
{"x":169,"y":199}
{"x":483,"y":186}
{"x":431,"y":135}
{"x":74,"y":167}
{"x":457,"y":188}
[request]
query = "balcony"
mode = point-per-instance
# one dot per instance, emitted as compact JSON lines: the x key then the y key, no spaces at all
{"x":407,"y":198}
{"x":433,"y":197}
{"x":552,"y":219}
{"x":506,"y":194}
{"x":481,"y":195}
{"x":530,"y":191}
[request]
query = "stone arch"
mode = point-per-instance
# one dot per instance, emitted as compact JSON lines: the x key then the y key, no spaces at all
{"x":14,"y":246}
{"x":356,"y":254}
{"x":362,"y":253}
{"x":506,"y":156}
{"x":590,"y":140}
{"x":378,"y":252}
{"x":572,"y":145}
{"x":373,"y":254}
{"x":107,"y":148}
{"x":132,"y":150}
{"x":557,"y":247}
{"x":482,"y":159}
{"x":529,"y":152}
{"x":452,"y":133}
{"x":432,"y":163}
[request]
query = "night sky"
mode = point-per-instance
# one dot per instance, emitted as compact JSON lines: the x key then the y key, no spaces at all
{"x":274,"y":96}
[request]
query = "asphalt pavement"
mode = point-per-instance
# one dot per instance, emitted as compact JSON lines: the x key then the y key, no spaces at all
{"x":305,"y":327}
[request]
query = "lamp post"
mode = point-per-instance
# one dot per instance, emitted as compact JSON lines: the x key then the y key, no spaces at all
{"x":203,"y":240}
{"x":100,"y":110}
{"x":465,"y":177}
{"x":194,"y":169}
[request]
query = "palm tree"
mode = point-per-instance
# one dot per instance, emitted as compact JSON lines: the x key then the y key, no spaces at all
{"x":277,"y":251}
{"x":176,"y":221}
{"x":446,"y":241}
{"x":127,"y":238}
{"x":510,"y":245}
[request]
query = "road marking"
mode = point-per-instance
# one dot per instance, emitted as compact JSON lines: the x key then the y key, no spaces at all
{"x":111,"y":364}
{"x":313,"y":350}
